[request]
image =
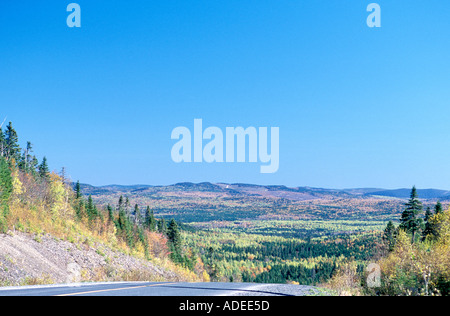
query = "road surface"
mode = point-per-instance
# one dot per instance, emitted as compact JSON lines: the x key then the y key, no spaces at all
{"x":160,"y":289}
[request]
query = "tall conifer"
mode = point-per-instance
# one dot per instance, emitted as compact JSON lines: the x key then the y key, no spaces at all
{"x":410,"y":221}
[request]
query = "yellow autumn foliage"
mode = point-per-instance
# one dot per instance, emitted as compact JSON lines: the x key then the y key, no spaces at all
{"x":421,"y":268}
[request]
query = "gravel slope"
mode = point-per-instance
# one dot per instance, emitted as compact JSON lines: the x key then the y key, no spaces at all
{"x":28,"y":260}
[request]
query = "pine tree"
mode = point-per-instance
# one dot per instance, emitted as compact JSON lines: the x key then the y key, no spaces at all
{"x":410,"y":221}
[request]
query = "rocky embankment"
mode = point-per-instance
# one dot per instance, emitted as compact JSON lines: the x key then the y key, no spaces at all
{"x":28,"y":259}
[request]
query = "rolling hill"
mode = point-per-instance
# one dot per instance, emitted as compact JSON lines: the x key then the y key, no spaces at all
{"x":204,"y":202}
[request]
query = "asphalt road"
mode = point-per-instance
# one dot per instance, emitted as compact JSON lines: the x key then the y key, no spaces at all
{"x":160,"y":289}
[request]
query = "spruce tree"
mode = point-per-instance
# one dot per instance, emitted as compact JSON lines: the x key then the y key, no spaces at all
{"x":90,"y":208}
{"x":25,"y":160}
{"x":34,"y":167}
{"x":390,"y":235}
{"x":410,"y":221}
{"x":6,"y":186}
{"x":120,"y":205}
{"x":174,"y":236}
{"x":6,"y":189}
{"x":428,"y":225}
{"x":150,"y":222}
{"x":44,"y":172}
{"x":78,"y":194}
{"x":438,"y":209}
{"x":162,"y":227}
{"x":431,"y":225}
{"x":12,"y":143}
{"x":111,"y":216}
{"x":28,"y":157}
{"x":126,"y":228}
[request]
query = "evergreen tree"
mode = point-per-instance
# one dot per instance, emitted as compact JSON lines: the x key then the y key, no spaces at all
{"x":12,"y":143}
{"x":110,"y":213}
{"x":80,"y":209}
{"x":438,"y":209}
{"x":78,"y":194}
{"x":44,"y":172}
{"x":410,"y":221}
{"x":150,"y":221}
{"x":63,"y":175}
{"x":25,"y":162}
{"x":28,"y":157}
{"x":6,"y":186}
{"x":123,"y":224}
{"x":428,"y":225}
{"x":173,"y":233}
{"x":389,"y":235}
{"x":431,"y":222}
{"x":120,"y":205}
{"x":90,"y":208}
{"x":162,"y":227}
{"x":125,"y":228}
{"x":174,"y":236}
{"x":6,"y":189}
{"x":34,"y":166}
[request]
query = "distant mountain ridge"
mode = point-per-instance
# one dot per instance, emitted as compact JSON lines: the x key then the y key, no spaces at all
{"x":405,"y":193}
{"x":296,"y":193}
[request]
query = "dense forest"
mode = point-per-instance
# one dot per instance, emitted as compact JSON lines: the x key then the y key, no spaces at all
{"x":249,"y":257}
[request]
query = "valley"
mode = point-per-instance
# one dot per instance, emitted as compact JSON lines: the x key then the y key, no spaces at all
{"x":270,"y":234}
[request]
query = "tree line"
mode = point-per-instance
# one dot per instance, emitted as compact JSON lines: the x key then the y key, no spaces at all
{"x":414,"y":222}
{"x":416,"y":258}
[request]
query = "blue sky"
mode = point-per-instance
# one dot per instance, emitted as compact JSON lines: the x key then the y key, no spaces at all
{"x":356,"y":106}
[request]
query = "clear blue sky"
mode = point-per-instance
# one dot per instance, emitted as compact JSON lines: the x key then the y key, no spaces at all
{"x":356,"y":107}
